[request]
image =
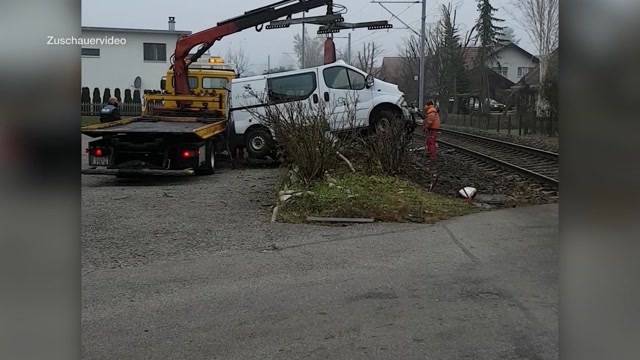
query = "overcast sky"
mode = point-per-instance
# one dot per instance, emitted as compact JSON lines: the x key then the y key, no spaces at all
{"x":196,"y":15}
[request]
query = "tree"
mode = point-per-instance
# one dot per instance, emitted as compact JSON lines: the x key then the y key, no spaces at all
{"x":106,"y":95}
{"x":509,"y":36}
{"x":239,"y":59}
{"x":96,"y":96}
{"x":489,"y":35}
{"x":367,"y":58}
{"x":540,"y":20}
{"x":410,"y":54}
{"x":85,"y":97}
{"x":313,"y":50}
{"x":127,"y":96}
{"x":445,"y":54}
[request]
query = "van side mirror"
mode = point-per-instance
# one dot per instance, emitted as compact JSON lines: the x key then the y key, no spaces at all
{"x":369,"y":80}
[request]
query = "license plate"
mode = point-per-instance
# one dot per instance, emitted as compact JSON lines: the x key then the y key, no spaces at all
{"x":99,"y":161}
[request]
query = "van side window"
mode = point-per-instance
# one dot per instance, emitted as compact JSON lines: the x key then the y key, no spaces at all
{"x":358,"y":81}
{"x":336,"y":77}
{"x":291,"y":87}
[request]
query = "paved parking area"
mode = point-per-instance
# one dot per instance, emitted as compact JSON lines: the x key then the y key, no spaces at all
{"x":181,"y":269}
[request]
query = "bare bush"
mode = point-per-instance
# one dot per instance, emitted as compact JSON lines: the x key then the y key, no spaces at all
{"x":314,"y":138}
{"x":386,"y":148}
{"x":305,"y":134}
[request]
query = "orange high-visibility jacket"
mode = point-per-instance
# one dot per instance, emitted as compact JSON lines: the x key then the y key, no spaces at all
{"x":432,"y":118}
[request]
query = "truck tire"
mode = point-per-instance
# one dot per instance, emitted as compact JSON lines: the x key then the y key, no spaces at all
{"x":209,"y":165}
{"x":259,"y":143}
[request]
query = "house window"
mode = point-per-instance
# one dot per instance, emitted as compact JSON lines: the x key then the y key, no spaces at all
{"x":155,"y":52}
{"x":90,"y":52}
{"x":292,"y":87}
{"x":501,"y":70}
{"x":522,"y":71}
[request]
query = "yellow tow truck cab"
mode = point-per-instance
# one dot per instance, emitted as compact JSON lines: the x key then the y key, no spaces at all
{"x":210,"y":84}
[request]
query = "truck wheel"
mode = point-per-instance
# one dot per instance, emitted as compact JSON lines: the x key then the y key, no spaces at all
{"x":259,"y":143}
{"x":210,"y":160}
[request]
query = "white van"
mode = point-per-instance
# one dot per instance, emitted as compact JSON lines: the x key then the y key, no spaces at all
{"x":332,"y":84}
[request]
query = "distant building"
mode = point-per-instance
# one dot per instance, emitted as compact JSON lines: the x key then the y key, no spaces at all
{"x":510,"y":61}
{"x":137,"y":65}
{"x":509,"y":64}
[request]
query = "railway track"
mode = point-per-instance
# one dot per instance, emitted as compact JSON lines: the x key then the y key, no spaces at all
{"x":535,"y":163}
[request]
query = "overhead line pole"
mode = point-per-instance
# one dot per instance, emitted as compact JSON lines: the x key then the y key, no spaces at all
{"x":422,"y":55}
{"x":303,"y":48}
{"x":421,"y":35}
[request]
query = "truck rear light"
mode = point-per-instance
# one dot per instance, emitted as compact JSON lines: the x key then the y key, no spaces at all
{"x":187,"y":154}
{"x":97,"y":152}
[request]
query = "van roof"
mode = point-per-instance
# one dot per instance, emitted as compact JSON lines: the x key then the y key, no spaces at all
{"x":295,"y":71}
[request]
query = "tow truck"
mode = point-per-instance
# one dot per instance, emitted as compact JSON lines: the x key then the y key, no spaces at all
{"x":182,"y":129}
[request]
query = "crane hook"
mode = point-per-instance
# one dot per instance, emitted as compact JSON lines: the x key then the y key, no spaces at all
{"x":259,"y":27}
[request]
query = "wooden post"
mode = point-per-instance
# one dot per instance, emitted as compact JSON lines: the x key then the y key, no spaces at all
{"x":520,"y":124}
{"x":499,"y":120}
{"x":509,"y":124}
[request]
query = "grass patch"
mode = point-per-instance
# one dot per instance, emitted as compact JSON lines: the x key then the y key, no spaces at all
{"x":89,"y":120}
{"x":384,"y":198}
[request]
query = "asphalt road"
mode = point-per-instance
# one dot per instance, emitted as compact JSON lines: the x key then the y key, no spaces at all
{"x":182,"y":269}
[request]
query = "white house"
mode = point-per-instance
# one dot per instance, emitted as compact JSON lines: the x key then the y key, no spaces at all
{"x":144,"y":56}
{"x":513,"y":62}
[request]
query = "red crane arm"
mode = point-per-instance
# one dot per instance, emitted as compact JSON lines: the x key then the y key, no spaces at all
{"x":250,"y":19}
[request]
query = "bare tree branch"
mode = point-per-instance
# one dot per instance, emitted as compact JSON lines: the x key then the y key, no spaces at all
{"x":239,"y":59}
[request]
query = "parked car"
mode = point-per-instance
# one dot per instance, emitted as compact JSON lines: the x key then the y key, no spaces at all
{"x":496,"y":106}
{"x":334,"y":85}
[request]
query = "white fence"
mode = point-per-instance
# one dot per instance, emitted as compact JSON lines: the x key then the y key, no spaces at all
{"x":126,"y":109}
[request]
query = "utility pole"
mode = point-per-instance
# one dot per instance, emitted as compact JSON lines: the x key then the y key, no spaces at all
{"x":303,"y":48}
{"x":422,"y":41}
{"x":349,"y":49}
{"x":268,"y":63}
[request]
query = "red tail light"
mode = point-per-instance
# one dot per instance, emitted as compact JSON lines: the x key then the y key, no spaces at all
{"x":186,"y":154}
{"x":97,"y":152}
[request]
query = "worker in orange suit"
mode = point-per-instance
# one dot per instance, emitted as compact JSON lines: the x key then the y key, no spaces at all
{"x":431,"y":125}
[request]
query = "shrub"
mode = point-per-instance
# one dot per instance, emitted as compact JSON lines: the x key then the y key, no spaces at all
{"x":96,"y":96}
{"x":127,"y":96}
{"x":106,"y":96}
{"x":386,"y":148}
{"x":85,"y":96}
{"x":136,"y":97}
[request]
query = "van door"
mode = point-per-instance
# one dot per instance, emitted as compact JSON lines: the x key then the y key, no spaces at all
{"x":346,"y":96}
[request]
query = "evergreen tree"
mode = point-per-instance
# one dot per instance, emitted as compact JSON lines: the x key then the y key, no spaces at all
{"x":106,"y":95}
{"x":447,"y":64}
{"x":489,"y":35}
{"x":96,"y":96}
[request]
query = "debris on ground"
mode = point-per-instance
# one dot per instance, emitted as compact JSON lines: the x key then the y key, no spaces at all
{"x":339,"y":220}
{"x":468,"y":192}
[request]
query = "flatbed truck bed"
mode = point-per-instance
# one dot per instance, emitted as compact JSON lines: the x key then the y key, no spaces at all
{"x":155,"y":145}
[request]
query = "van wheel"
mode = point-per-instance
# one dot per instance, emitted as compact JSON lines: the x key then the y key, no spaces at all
{"x":383,"y":117}
{"x":259,"y":143}
{"x":209,"y":165}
